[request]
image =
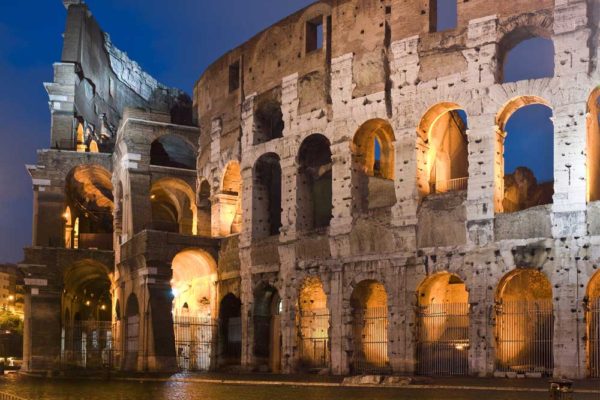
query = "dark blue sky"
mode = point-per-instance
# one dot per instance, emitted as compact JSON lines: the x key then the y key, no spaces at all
{"x":172,"y":40}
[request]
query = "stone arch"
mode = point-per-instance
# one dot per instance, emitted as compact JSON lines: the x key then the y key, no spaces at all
{"x":173,"y":206}
{"x":132,"y":333}
{"x":443,"y":158}
{"x":172,"y":151}
{"x":230,"y":330}
{"x":593,"y":146}
{"x":593,"y":325}
{"x":267,"y":309}
{"x":524,"y":322}
{"x":369,"y":305}
{"x":268,"y":121}
{"x":89,"y":205}
{"x":442,"y":325}
{"x":313,"y":325}
{"x":314,"y":183}
{"x":266,"y":196}
{"x":229,"y":200}
{"x":519,"y":190}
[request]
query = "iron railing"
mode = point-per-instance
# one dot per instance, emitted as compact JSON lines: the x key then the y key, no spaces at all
{"x":450,"y":185}
{"x":87,"y":344}
{"x":194,"y":342}
{"x":9,"y":396}
{"x":443,"y":339}
{"x":594,"y":338}
{"x":370,"y":341}
{"x":524,"y":336}
{"x":313,"y":338}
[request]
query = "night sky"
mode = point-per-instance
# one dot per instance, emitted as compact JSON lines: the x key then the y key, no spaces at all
{"x":174,"y":41}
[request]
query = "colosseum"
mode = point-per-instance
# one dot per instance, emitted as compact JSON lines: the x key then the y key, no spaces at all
{"x":331,"y":199}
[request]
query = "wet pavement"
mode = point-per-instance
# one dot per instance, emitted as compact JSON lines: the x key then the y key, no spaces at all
{"x":86,"y":389}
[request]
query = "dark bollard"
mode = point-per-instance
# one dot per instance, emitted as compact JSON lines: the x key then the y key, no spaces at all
{"x":561,"y":389}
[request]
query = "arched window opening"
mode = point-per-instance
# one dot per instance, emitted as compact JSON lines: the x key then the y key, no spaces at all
{"x":230,"y":330}
{"x":593,"y":147}
{"x":267,"y":328}
{"x":373,"y":165}
{"x":88,"y":216}
{"x":592,"y":301}
{"x":87,"y":340}
{"x":172,"y":151}
{"x":194,"y":297}
{"x":442,"y":326}
{"x":313,"y":325}
{"x":314,"y":188}
{"x":230,"y":200}
{"x":527,"y":177}
{"x":369,"y":328}
{"x":173,"y":207}
{"x":268,"y":122}
{"x":524,"y":323}
{"x":266,"y":197}
{"x":443,"y":164}
{"x":204,"y":210}
{"x":525,"y":55}
{"x":132,"y":332}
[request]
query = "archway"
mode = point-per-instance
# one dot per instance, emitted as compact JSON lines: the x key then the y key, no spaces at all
{"x":268,"y":122}
{"x":230,"y":200}
{"x":173,"y":206}
{"x":194,"y":301}
{"x":89,"y":205}
{"x":314,"y":188}
{"x":172,"y":151}
{"x":593,"y":326}
{"x":132,"y":333}
{"x":230,"y":330}
{"x":442,"y":326}
{"x":593,"y":146}
{"x":369,"y":328}
{"x":443,"y":158}
{"x":373,"y":165}
{"x":524,"y":179}
{"x":525,"y":53}
{"x":267,"y":328}
{"x":266,"y":197}
{"x":313,"y":325}
{"x":87,"y":338}
{"x":524,"y":323}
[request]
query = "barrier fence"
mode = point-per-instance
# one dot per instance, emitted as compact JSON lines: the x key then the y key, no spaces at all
{"x":370,"y":341}
{"x":314,"y":338}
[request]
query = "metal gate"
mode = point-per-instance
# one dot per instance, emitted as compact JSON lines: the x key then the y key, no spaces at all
{"x":524,"y":331}
{"x":443,"y":339}
{"x":194,"y":339}
{"x":594,"y":338}
{"x":87,"y":344}
{"x":314,"y":338}
{"x":370,"y":341}
{"x":132,"y":342}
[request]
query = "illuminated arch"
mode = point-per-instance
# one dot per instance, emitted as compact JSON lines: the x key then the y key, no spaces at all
{"x":313,"y":325}
{"x":173,"y":206}
{"x":363,"y":148}
{"x":230,"y":200}
{"x":593,"y":146}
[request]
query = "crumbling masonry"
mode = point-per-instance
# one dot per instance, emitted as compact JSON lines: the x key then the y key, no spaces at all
{"x":333,"y":199}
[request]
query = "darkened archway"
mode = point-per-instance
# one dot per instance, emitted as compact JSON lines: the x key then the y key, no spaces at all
{"x":172,"y":151}
{"x":267,"y":328}
{"x":314,"y":189}
{"x":230,"y":330}
{"x":525,"y":53}
{"x":132,"y":333}
{"x":266,"y":197}
{"x":268,"y":122}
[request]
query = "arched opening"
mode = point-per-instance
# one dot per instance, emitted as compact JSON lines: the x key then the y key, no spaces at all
{"x":173,"y":206}
{"x":230,"y":330}
{"x":442,"y":326}
{"x":593,"y":326}
{"x":444,"y":158}
{"x":314,"y":188}
{"x":172,"y":151}
{"x":524,"y":323}
{"x":313,"y":325}
{"x":87,"y":339}
{"x":373,"y":165}
{"x":266,"y":197}
{"x":267,"y":328}
{"x":526,"y":53}
{"x":194,"y":300}
{"x":268,"y":122}
{"x":230,"y":200}
{"x":526,"y":178}
{"x":132,"y":332}
{"x":88,"y":216}
{"x":593,"y":146}
{"x":204,"y":210}
{"x":369,"y":328}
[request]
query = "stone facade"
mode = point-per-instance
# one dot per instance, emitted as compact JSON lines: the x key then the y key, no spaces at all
{"x":280,"y":119}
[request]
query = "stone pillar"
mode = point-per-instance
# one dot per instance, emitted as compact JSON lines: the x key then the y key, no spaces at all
{"x":61,"y":94}
{"x":247,"y":300}
{"x":481,"y":52}
{"x":339,"y":362}
{"x":248,"y":123}
{"x":289,"y":186}
{"x":481,"y":336}
{"x":287,"y":256}
{"x":571,"y":32}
